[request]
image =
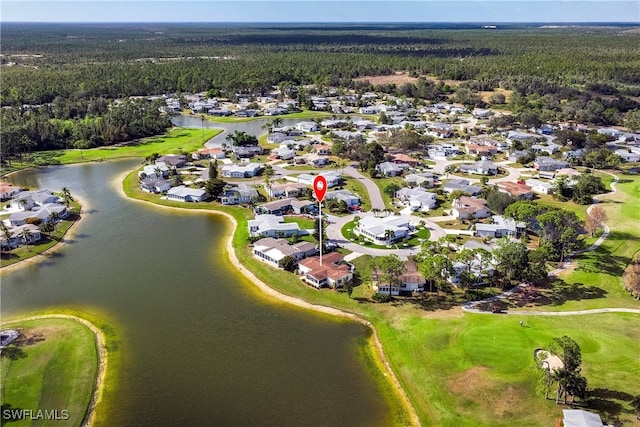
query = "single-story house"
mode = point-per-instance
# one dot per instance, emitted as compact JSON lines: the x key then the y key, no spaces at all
{"x":520,"y":191}
{"x":538,"y":186}
{"x":372,"y":109}
{"x":392,"y":169}
{"x":515,"y":155}
{"x":480,"y":113}
{"x":282,"y":206}
{"x":521,"y":137}
{"x":426,"y":180}
{"x":8,"y":190}
{"x":323,"y":150}
{"x":269,"y":225}
{"x":333,"y":178}
{"x":287,"y":190}
{"x":307,"y":126}
{"x":483,"y":167}
{"x":401,"y":158}
{"x":248,"y":170}
{"x":482,"y":150}
{"x":185,"y":194}
{"x":241,"y":193}
{"x":316,"y":159}
{"x":580,"y":418}
{"x":155,"y":185}
{"x":383,"y":231}
{"x":549,"y":164}
{"x":332,"y":272}
{"x":411,"y":280}
{"x":501,"y":226}
{"x":462,"y":185}
{"x":154,"y":171}
{"x":25,"y":200}
{"x":43,"y":213}
{"x":247,"y":151}
{"x":440,"y":130}
{"x":209,"y":153}
{"x":628,"y":156}
{"x":17,"y":237}
{"x":277,"y":137}
{"x":273,"y":251}
{"x":417,"y":198}
{"x":548,"y":147}
{"x":468,"y":207}
{"x":172,"y":160}
{"x":344,"y":195}
{"x":615,"y":133}
{"x":283,"y":153}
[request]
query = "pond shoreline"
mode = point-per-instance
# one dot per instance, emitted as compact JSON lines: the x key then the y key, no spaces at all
{"x":298,"y":302}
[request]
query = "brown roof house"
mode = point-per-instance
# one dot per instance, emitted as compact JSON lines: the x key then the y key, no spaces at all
{"x":332,"y":273}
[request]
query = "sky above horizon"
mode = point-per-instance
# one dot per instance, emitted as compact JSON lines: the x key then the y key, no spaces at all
{"x":277,"y":11}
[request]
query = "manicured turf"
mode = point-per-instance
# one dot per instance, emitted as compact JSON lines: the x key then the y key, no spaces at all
{"x":53,"y":368}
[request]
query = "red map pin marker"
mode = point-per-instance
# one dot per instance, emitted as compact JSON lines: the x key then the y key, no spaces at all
{"x":319,"y":187}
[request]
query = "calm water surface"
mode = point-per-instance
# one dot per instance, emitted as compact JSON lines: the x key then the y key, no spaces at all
{"x":199,"y":347}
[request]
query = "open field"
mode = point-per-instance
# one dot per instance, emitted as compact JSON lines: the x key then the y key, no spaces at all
{"x":53,"y":366}
{"x":396,"y":79}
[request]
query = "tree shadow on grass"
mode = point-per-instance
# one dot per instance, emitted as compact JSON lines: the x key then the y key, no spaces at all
{"x":557,"y":292}
{"x":609,"y":403}
{"x":428,"y":302}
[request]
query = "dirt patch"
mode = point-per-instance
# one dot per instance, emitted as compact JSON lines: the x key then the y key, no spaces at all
{"x":450,"y":83}
{"x":397,"y":79}
{"x":486,"y":95}
{"x":475,"y":386}
{"x":471,"y":384}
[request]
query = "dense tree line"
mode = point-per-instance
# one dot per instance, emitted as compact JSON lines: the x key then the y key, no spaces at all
{"x":82,"y":123}
{"x":131,"y":60}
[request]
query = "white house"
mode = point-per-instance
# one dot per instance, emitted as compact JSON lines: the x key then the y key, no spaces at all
{"x":307,"y":126}
{"x":426,"y":180}
{"x":538,"y":186}
{"x":241,"y":193}
{"x":483,"y":167}
{"x":417,"y":198}
{"x":286,"y":190}
{"x":344,"y":195}
{"x":628,"y":156}
{"x":392,"y":169}
{"x":268,"y":225}
{"x":273,"y":251}
{"x":501,"y":226}
{"x":383,"y":231}
{"x":241,"y":171}
{"x":185,"y":194}
{"x":410,"y":281}
{"x":333,"y":178}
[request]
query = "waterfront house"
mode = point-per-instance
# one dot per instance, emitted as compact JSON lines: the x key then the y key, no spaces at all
{"x":241,"y":193}
{"x":154,"y":184}
{"x":154,"y":171}
{"x":8,"y":190}
{"x":410,"y":281}
{"x":185,"y":194}
{"x":269,"y":225}
{"x":332,"y":272}
{"x":17,"y":236}
{"x":273,"y":251}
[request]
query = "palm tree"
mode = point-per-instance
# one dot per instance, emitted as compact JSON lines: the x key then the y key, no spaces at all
{"x":389,"y":235}
{"x":26,"y":235}
{"x":66,"y":196}
{"x":7,"y":234}
{"x":53,"y":218}
{"x":375,"y":211}
{"x":449,"y":169}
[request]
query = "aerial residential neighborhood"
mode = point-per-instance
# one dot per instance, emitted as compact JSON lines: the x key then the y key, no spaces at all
{"x":358,"y":223}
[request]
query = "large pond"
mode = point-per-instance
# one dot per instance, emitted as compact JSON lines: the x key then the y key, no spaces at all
{"x":199,"y":345}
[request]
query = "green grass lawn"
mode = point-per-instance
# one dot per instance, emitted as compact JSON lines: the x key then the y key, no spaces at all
{"x":382,"y":184}
{"x":53,"y":366}
{"x":303,"y":223}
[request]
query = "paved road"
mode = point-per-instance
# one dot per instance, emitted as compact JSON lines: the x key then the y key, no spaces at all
{"x":374,"y":192}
